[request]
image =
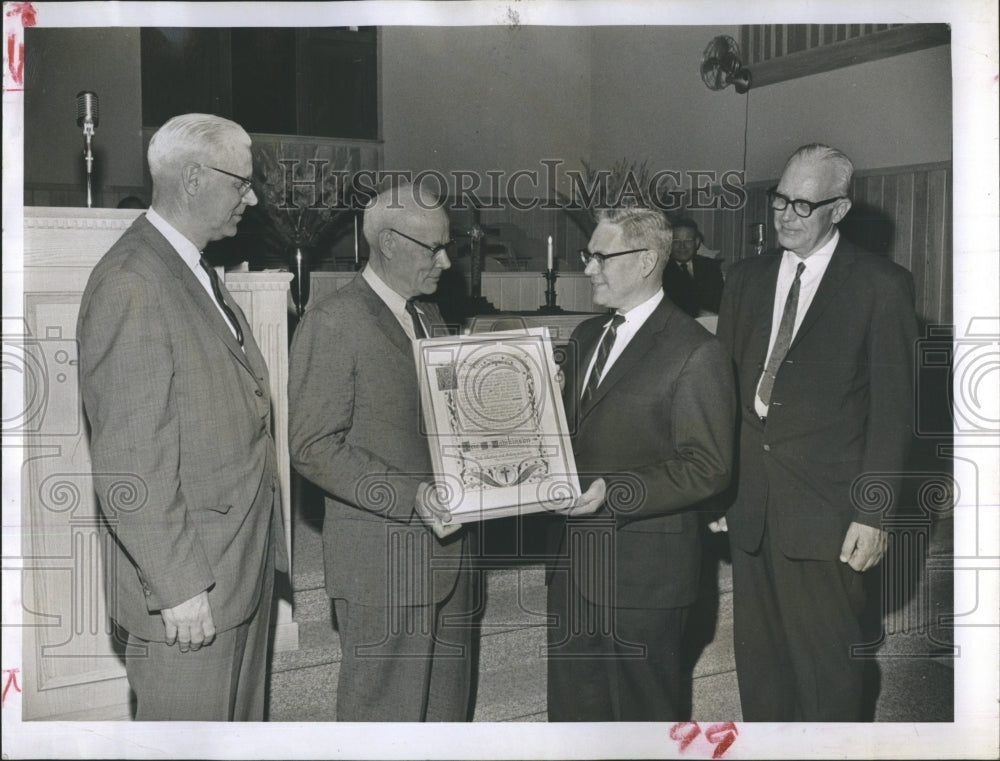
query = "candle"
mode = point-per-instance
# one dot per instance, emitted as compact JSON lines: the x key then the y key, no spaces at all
{"x":356,"y":239}
{"x":550,"y":253}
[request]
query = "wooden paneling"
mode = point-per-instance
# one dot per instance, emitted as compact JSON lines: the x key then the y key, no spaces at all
{"x":902,"y":212}
{"x":778,"y":52}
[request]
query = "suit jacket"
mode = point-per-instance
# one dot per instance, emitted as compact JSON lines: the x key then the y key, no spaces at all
{"x":355,"y":431}
{"x":180,"y":436}
{"x":692,"y":295}
{"x":659,"y":429}
{"x":841,"y":406}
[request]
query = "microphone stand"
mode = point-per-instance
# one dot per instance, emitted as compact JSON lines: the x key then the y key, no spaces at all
{"x":88,"y":156}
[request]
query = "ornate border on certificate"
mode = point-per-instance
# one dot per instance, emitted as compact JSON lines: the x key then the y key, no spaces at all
{"x":495,"y":423}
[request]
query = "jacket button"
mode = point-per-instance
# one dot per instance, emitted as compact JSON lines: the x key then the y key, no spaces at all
{"x":258,"y":392}
{"x":767,"y":447}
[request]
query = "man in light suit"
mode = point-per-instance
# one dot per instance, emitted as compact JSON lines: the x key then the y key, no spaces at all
{"x":822,"y":336}
{"x":399,"y":575}
{"x":692,"y":282}
{"x":651,"y":398}
{"x":176,"y":394}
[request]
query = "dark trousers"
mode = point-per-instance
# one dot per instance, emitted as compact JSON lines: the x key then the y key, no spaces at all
{"x":794,"y":622}
{"x":406,"y":663}
{"x":224,"y":681}
{"x":611,"y":663}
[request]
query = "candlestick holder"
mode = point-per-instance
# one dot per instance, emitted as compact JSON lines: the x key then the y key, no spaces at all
{"x":550,"y":293}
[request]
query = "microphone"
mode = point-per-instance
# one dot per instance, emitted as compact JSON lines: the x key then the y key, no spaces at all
{"x":87,"y":111}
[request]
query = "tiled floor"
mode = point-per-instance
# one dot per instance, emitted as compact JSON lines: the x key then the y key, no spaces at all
{"x":916,"y":671}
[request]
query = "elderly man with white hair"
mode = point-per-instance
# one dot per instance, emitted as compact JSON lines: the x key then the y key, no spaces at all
{"x":177,"y":396}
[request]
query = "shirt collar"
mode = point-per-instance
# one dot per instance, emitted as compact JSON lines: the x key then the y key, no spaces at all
{"x":187,"y":250}
{"x":637,"y":315}
{"x":393,"y":300}
{"x":821,"y":256}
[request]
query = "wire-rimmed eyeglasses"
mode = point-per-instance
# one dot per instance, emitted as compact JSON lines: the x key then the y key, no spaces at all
{"x":440,"y":248}
{"x":588,"y":256}
{"x":800,"y":206}
{"x":245,"y":182}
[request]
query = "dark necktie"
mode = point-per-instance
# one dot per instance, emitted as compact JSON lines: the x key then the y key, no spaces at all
{"x":418,"y":326}
{"x":785,"y":330}
{"x":607,"y":341}
{"x":213,"y":278}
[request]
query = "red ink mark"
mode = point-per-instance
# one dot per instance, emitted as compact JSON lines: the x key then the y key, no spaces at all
{"x":11,"y":680}
{"x":684,"y":732}
{"x":22,"y":15}
{"x":722,"y":736}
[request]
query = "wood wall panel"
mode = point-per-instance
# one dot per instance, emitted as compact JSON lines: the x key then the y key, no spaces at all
{"x":902,"y":212}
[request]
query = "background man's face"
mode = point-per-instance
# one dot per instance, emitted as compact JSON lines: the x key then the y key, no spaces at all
{"x":685,"y":244}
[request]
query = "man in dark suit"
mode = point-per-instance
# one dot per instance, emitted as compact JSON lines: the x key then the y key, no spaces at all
{"x":822,"y":336}
{"x":651,"y":398}
{"x":694,"y":283}
{"x":398,"y":574}
{"x":177,"y":396}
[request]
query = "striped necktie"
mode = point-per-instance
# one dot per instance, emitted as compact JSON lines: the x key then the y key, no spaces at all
{"x":784,"y":340}
{"x":418,"y":325}
{"x":213,"y":278}
{"x":603,"y":350}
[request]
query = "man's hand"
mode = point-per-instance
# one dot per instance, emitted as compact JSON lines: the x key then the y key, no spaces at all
{"x":863,"y":546}
{"x":719,"y":526}
{"x":590,"y":500}
{"x":190,"y":624}
{"x":434,"y":512}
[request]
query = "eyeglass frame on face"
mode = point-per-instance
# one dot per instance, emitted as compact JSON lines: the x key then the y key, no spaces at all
{"x":587,"y":257}
{"x":440,"y":248}
{"x":773,"y":194}
{"x":247,"y":182}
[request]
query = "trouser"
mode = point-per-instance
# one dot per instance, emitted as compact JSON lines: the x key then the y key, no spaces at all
{"x":610,"y":663}
{"x":794,"y":622}
{"x":406,"y":663}
{"x":224,"y":681}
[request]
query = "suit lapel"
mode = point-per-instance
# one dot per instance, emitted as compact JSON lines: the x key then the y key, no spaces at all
{"x":636,"y":349}
{"x":836,"y":273}
{"x":206,"y":304}
{"x":385,"y":320}
{"x":760,"y":321}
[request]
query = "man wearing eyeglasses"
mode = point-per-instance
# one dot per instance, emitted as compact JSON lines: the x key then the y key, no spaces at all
{"x":396,"y":568}
{"x":177,"y":396}
{"x":651,"y":403}
{"x":822,"y":337}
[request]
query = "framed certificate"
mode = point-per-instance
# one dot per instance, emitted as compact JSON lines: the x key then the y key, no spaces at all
{"x":495,"y":423}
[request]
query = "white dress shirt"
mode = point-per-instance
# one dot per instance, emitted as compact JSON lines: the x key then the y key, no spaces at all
{"x":395,"y":302}
{"x":191,"y":256}
{"x":816,"y":265}
{"x":634,"y":319}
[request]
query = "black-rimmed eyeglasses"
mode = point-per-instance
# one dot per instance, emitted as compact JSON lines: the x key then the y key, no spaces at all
{"x":800,"y":206}
{"x":245,"y":182}
{"x":440,"y":248}
{"x":588,"y":256}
